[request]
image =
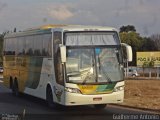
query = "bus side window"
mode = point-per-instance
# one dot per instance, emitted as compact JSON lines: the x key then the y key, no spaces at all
{"x":21,"y":46}
{"x":38,"y":41}
{"x":10,"y":46}
{"x":46,"y":48}
{"x":29,"y":45}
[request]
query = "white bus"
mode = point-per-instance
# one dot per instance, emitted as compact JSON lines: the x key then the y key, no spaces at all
{"x":66,"y":64}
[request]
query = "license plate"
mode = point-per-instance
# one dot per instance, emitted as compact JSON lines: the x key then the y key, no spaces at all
{"x":97,"y":99}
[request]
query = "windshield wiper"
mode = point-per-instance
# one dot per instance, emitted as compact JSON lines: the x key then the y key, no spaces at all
{"x":73,"y":73}
{"x":88,"y":75}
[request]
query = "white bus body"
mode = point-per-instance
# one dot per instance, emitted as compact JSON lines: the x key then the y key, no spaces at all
{"x":66,"y":64}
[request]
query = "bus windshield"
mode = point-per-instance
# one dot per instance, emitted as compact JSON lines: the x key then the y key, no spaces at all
{"x":93,"y":65}
{"x":93,"y":57}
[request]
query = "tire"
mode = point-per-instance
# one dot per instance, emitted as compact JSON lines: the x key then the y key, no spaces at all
{"x":49,"y":98}
{"x":100,"y":106}
{"x":11,"y":83}
{"x":133,"y":75}
{"x":15,"y":89}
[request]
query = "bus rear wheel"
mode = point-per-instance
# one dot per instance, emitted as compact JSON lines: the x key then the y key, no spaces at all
{"x":15,"y":90}
{"x":100,"y":106}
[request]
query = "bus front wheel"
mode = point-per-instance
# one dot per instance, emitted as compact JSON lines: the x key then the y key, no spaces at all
{"x":49,"y":98}
{"x":100,"y":106}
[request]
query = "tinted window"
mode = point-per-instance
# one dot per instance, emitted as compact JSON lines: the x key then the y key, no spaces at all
{"x":10,"y":46}
{"x":21,"y":45}
{"x":38,"y":41}
{"x":46,"y":50}
{"x":29,"y":45}
{"x":33,"y":45}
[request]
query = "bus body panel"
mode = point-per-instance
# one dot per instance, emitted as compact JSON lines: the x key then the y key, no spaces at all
{"x":46,"y":76}
{"x":78,"y":99}
{"x":16,"y":68}
{"x":35,"y":73}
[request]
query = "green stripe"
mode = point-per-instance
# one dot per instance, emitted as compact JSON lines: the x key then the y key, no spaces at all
{"x":103,"y":88}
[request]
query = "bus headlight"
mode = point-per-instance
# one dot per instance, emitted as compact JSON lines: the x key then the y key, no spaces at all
{"x":119,"y":88}
{"x":72,"y":90}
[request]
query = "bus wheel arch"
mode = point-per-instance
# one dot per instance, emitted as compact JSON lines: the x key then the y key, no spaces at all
{"x":10,"y":82}
{"x":49,"y":96}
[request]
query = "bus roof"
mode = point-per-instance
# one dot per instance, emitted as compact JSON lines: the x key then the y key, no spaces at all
{"x":48,"y":28}
{"x":86,"y":28}
{"x":73,"y":27}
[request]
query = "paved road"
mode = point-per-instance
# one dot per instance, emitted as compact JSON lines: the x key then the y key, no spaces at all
{"x":34,"y":108}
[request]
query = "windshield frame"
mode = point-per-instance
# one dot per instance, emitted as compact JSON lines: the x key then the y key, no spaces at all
{"x":118,"y":46}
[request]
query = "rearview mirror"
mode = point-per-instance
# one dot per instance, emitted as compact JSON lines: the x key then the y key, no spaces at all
{"x":63,"y":53}
{"x":128,"y":51}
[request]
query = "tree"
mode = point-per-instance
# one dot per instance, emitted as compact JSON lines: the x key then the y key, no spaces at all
{"x":145,"y":65}
{"x":133,"y":39}
{"x":1,"y":46}
{"x":148,"y":64}
{"x":128,"y":28}
{"x":148,"y":45}
{"x":156,"y":39}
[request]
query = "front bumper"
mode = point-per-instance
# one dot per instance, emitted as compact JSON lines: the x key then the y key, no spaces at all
{"x":72,"y":99}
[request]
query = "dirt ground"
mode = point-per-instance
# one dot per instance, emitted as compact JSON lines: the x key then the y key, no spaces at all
{"x":142,"y":94}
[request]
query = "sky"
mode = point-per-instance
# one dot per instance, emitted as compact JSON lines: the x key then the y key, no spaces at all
{"x":23,"y":14}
